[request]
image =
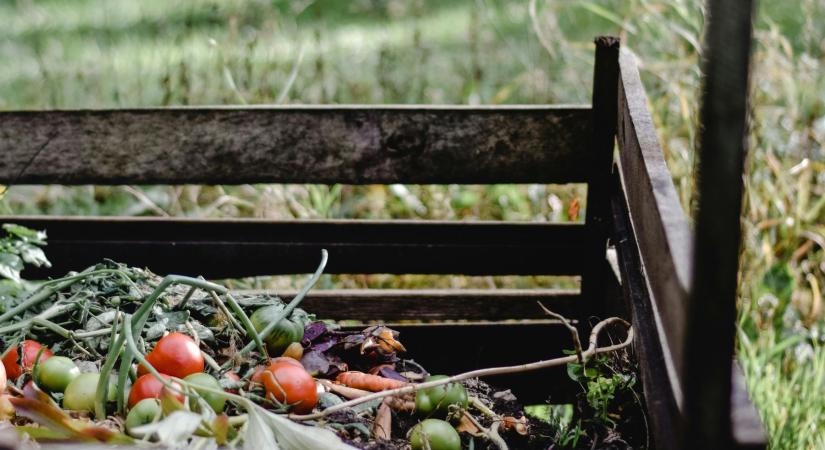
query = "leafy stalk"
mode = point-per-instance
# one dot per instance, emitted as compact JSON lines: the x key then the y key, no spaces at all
{"x":292,"y":305}
{"x":102,"y":391}
{"x":137,"y":321}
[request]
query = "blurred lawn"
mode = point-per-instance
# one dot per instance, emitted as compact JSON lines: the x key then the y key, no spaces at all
{"x":117,"y":53}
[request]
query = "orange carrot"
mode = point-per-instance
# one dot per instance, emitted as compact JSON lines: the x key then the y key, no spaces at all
{"x":367,"y":382}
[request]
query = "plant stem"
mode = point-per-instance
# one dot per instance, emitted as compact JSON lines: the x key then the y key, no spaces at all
{"x":102,"y":391}
{"x":250,"y":328}
{"x":227,"y":313}
{"x":142,"y":315}
{"x":186,"y":298}
{"x":591,"y":351}
{"x":48,"y":288}
{"x":290,"y":307}
{"x":53,"y":311}
{"x":94,"y":333}
{"x":132,"y":347}
{"x":211,"y":361}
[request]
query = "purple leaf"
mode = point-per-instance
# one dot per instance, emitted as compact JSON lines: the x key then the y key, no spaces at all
{"x":389,"y":372}
{"x":313,"y":331}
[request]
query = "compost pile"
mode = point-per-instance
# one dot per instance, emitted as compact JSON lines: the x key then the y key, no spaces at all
{"x":118,"y":354}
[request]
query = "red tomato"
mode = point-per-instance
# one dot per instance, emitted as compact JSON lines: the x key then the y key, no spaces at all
{"x":256,"y":375}
{"x":175,"y":354}
{"x":287,"y":360}
{"x":150,"y":358}
{"x":291,"y":384}
{"x":147,"y":386}
{"x":12,"y":362}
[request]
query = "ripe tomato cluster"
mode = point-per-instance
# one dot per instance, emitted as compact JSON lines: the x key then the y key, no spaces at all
{"x":174,"y":356}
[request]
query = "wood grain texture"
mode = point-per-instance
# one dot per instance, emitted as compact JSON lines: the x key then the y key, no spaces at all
{"x":603,"y":141}
{"x":662,"y":397}
{"x":296,"y":144}
{"x":711,"y":318}
{"x":249,"y":247}
{"x":455,"y":348}
{"x":659,"y":222}
{"x":437,"y":304}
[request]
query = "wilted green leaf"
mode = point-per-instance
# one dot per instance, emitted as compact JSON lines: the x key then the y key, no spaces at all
{"x":10,"y":266}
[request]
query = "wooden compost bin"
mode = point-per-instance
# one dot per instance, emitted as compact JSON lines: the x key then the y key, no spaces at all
{"x":632,"y":212}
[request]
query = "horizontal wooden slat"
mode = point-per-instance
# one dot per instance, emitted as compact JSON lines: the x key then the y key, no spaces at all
{"x":437,"y":304}
{"x":296,"y":144}
{"x":239,"y":248}
{"x":660,"y":224}
{"x":457,"y":348}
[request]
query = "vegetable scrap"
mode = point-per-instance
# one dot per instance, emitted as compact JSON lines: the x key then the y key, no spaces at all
{"x":119,"y":355}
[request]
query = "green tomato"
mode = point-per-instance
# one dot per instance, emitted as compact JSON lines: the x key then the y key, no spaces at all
{"x":434,"y":434}
{"x":144,"y":412}
{"x":56,"y":373}
{"x":436,"y":401}
{"x":80,"y":393}
{"x":284,"y":334}
{"x":208,"y":381}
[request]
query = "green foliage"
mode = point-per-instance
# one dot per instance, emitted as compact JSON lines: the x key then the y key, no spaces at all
{"x":122,"y":53}
{"x":601,"y":385}
{"x":20,"y":246}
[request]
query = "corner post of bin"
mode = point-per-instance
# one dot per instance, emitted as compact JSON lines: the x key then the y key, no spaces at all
{"x":600,"y":166}
{"x":710,"y":332}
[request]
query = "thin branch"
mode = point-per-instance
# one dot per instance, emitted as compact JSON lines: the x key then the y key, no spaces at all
{"x":573,"y":331}
{"x":591,"y":351}
{"x":491,"y":433}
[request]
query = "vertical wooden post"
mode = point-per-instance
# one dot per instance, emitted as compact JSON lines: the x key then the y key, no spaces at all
{"x":712,"y":308}
{"x":597,"y":218}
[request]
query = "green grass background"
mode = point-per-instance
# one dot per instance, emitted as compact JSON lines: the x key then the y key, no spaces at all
{"x":119,"y":53}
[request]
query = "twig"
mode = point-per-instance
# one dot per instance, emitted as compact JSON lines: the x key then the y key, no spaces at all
{"x":479,"y":405}
{"x":491,"y":433}
{"x":573,"y":331}
{"x":591,"y":351}
{"x":344,"y":391}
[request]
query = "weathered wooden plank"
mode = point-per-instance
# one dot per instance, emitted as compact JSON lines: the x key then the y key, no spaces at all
{"x":250,"y":247}
{"x":437,"y":304}
{"x":660,"y":224}
{"x":296,"y":144}
{"x":603,"y":141}
{"x":451,"y":349}
{"x":711,"y":318}
{"x":660,"y":388}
